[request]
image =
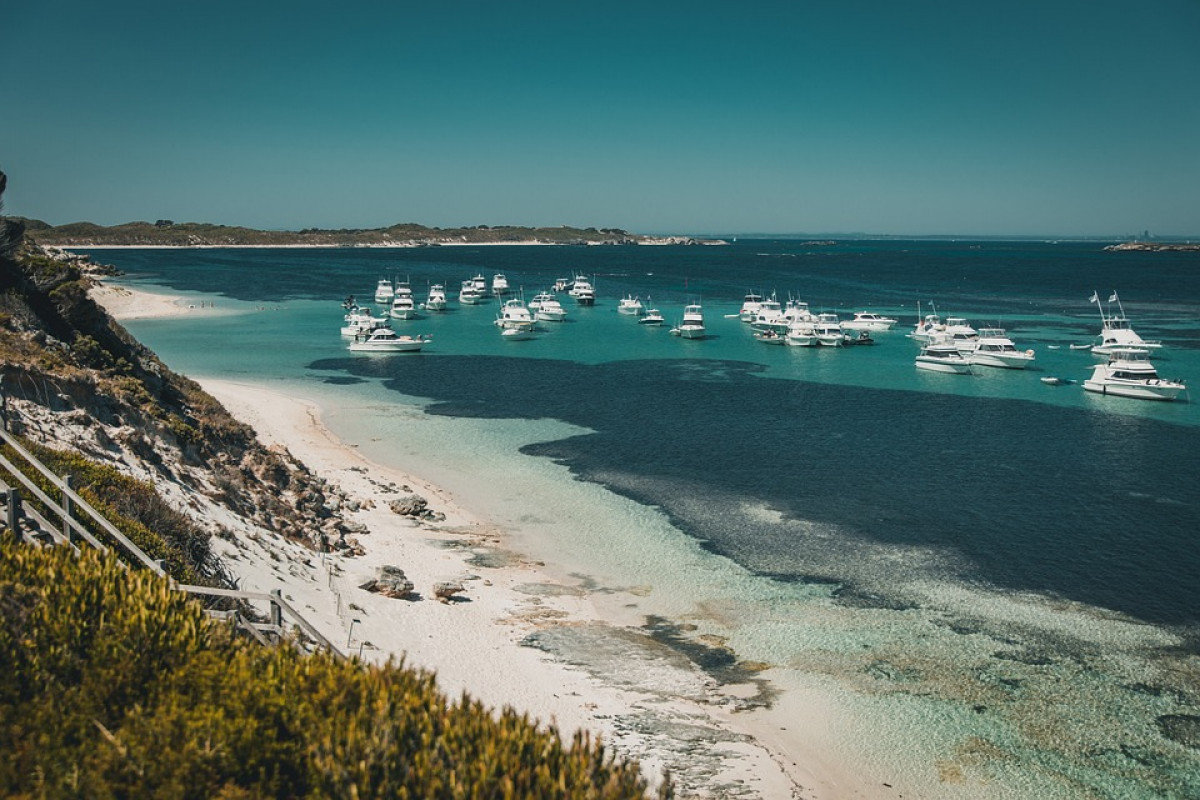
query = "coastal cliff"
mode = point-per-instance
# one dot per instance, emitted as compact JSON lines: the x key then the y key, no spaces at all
{"x":74,"y":380}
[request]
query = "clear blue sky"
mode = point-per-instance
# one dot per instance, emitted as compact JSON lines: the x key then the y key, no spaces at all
{"x":1053,"y":117}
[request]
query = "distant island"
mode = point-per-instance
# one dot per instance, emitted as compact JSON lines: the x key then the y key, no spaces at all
{"x":1154,"y":246}
{"x":167,"y":233}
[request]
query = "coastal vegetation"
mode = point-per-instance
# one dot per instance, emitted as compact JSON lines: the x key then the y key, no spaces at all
{"x":167,"y":233}
{"x":118,"y":686}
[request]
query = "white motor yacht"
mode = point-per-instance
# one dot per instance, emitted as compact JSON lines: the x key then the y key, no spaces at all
{"x":1115,"y":331}
{"x":515,"y":314}
{"x":959,"y":331}
{"x":943,"y":356}
{"x":750,"y":305}
{"x":500,"y":285}
{"x":802,"y":333}
{"x":692,"y":326}
{"x":469,"y":293}
{"x":384,"y":292}
{"x":769,"y":316}
{"x":993,"y":348}
{"x":404,"y":305}
{"x":562,"y":284}
{"x":652,"y":316}
{"x":547,"y":308}
{"x":437,"y":298}
{"x":829,"y":330}
{"x":386,"y":340}
{"x":360,"y":319}
{"x":1129,"y":373}
{"x":583,"y":291}
{"x":868,"y":321}
{"x":796,"y":310}
{"x":630,"y":305}
{"x":930,"y":326}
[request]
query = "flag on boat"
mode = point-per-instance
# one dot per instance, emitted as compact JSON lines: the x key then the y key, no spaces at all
{"x":1093,"y":298}
{"x":1113,"y":299}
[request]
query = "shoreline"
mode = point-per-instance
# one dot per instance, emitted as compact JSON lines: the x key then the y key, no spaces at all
{"x":480,"y":644}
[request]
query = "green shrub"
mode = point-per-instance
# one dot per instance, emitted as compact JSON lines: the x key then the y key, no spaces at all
{"x":118,"y":686}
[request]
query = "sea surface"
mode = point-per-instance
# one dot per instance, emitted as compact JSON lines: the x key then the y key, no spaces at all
{"x":1008,"y":568}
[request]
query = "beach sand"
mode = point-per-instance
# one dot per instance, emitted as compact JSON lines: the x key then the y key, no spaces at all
{"x":664,"y":711}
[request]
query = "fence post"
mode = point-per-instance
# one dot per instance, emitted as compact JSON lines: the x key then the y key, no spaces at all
{"x":68,"y":531}
{"x":14,"y":512}
{"x":277,"y":610}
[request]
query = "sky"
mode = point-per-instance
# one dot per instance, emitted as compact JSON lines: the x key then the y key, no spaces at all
{"x":1029,"y":117}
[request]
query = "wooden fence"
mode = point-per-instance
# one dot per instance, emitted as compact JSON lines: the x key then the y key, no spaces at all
{"x":59,"y":522}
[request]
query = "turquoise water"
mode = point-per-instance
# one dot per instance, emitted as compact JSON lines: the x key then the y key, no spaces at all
{"x":1005,"y":566}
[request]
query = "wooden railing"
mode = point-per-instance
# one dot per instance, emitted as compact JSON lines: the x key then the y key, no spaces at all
{"x":67,"y":529}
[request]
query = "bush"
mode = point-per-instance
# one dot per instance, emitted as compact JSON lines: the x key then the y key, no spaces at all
{"x":118,"y":686}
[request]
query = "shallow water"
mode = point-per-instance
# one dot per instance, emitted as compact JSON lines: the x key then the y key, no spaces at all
{"x":994,"y":577}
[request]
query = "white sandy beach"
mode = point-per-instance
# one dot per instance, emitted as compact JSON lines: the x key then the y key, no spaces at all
{"x":475,"y":645}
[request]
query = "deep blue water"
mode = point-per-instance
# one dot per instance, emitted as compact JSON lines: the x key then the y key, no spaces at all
{"x":1025,"y":489}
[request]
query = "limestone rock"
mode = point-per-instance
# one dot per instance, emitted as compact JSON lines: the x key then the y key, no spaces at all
{"x":446,"y":590}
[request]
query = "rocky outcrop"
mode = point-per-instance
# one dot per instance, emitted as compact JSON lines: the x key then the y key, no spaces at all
{"x":416,"y":507}
{"x":390,"y":582}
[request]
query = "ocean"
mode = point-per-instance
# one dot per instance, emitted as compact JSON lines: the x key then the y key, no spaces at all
{"x":1004,"y":566}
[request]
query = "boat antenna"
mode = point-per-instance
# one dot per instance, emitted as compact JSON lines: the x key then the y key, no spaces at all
{"x":1095,"y":298}
{"x":1114,"y":299}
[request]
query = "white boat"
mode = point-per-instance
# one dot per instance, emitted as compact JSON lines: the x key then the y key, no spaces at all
{"x":386,"y":340}
{"x":796,"y":310}
{"x":692,"y":326}
{"x":499,"y":285}
{"x":469,"y":293}
{"x":384,"y":292}
{"x":437,"y":298}
{"x":652,"y":316}
{"x":583,"y":291}
{"x":928,"y":327}
{"x":829,"y":330}
{"x":481,"y":286}
{"x":562,"y":284}
{"x":943,"y":357}
{"x":1115,"y":331}
{"x":517,"y":334}
{"x":868,"y":321}
{"x":404,"y":305}
{"x":959,"y":331}
{"x":802,"y":333}
{"x":360,"y":319}
{"x":547,"y":308}
{"x":630,"y":305}
{"x":770,"y":316}
{"x":750,"y":305}
{"x":771,"y":336}
{"x":515,"y":314}
{"x":1129,"y":373}
{"x":993,"y":348}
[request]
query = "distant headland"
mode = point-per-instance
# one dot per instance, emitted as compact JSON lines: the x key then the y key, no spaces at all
{"x":167,"y":233}
{"x":1154,"y":246}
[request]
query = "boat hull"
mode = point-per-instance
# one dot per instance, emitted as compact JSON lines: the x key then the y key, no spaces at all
{"x":944,"y":365}
{"x":1138,"y":390}
{"x":1009,"y":361}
